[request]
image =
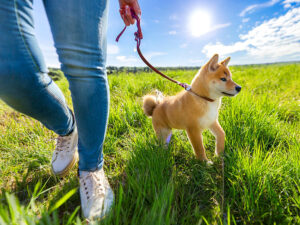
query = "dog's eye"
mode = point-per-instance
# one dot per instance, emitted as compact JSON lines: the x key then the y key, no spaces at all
{"x":223,"y":79}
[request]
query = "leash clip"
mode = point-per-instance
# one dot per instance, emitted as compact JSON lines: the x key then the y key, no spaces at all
{"x":185,"y":86}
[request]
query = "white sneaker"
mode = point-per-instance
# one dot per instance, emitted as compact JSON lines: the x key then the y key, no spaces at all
{"x":95,"y":193}
{"x":65,"y":154}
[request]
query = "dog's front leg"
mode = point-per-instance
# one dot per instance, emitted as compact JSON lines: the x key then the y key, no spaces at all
{"x":195,"y":136}
{"x":219,"y":134}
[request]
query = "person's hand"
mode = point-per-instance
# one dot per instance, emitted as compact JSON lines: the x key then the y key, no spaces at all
{"x":125,"y":13}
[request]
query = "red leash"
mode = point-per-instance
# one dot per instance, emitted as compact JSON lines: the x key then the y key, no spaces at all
{"x":138,"y":37}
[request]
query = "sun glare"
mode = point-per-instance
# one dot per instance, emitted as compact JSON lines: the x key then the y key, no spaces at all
{"x":199,"y":22}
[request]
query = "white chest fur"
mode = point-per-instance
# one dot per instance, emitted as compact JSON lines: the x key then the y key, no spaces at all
{"x":211,"y":114}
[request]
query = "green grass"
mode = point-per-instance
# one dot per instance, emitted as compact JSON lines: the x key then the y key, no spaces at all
{"x":154,"y":185}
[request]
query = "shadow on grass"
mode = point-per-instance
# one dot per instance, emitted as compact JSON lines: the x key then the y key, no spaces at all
{"x":40,"y":184}
{"x":156,"y":186}
{"x":198,"y":188}
{"x":164,"y":186}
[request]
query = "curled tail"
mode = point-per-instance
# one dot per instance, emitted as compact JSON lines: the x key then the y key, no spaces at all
{"x":149,"y":104}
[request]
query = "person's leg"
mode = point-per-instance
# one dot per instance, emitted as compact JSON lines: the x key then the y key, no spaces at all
{"x":24,"y":83}
{"x":79,"y":32}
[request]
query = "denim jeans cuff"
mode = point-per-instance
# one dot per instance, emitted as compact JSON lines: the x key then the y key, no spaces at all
{"x":70,"y":130}
{"x":91,"y":169}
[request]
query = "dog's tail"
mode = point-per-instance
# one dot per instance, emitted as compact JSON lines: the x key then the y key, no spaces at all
{"x":149,"y":104}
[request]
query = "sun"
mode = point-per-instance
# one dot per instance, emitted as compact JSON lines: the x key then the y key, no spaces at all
{"x":199,"y":22}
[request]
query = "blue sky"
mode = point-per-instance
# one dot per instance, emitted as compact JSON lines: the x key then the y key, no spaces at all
{"x":248,"y":31}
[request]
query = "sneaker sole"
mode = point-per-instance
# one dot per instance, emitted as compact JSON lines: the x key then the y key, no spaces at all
{"x":68,"y":168}
{"x":98,"y":219}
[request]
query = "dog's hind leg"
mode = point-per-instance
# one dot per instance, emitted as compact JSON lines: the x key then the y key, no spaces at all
{"x":163,"y":134}
{"x":162,"y":130}
{"x":168,"y":140}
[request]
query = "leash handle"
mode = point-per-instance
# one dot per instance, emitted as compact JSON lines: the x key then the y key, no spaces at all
{"x":138,"y":37}
{"x":120,"y":34}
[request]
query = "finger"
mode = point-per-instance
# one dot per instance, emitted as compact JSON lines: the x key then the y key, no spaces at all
{"x":128,"y":14}
{"x":136,"y":8}
{"x":122,"y":13}
{"x":127,"y":23}
{"x":127,"y":19}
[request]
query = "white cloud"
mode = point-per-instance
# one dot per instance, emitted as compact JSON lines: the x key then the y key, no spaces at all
{"x":288,"y":3}
{"x":175,"y":25}
{"x":172,"y":32}
{"x":196,"y":61}
{"x":224,"y":50}
{"x":184,"y":45}
{"x":150,"y":55}
{"x":122,"y":60}
{"x":219,"y":26}
{"x":252,"y":8}
{"x":112,"y":49}
{"x":277,"y":39}
{"x":173,"y":17}
{"x":126,"y":59}
{"x":291,"y":1}
{"x":156,"y":21}
{"x":245,"y":20}
{"x":214,"y":28}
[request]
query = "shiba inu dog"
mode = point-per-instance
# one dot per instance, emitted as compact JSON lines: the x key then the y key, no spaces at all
{"x":188,"y":111}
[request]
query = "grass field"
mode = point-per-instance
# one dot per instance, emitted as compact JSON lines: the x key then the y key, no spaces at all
{"x":153,"y":185}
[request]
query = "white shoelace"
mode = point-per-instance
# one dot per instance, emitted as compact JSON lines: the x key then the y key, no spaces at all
{"x":97,"y":186}
{"x":62,"y":142}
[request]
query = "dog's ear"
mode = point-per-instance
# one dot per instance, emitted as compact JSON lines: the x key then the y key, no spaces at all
{"x":212,"y":64}
{"x":226,"y":61}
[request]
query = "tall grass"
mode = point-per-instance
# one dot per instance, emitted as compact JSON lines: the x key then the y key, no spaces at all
{"x":154,"y":185}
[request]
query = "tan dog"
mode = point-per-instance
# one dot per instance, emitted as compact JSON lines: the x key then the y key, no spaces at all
{"x":189,"y":112}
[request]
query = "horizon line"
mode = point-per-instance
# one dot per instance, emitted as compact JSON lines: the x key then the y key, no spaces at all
{"x":249,"y":64}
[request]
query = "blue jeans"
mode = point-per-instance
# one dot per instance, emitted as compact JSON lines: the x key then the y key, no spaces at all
{"x":79,"y":32}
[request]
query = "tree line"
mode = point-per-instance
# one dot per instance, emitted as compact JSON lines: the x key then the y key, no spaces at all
{"x":125,"y":69}
{"x":57,"y":74}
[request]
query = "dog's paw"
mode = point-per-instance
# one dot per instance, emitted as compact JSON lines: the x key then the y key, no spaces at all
{"x":209,"y":162}
{"x":218,"y":154}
